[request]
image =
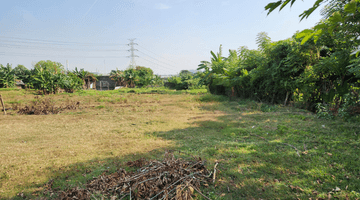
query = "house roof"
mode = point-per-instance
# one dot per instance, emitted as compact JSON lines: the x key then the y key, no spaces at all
{"x":19,"y":82}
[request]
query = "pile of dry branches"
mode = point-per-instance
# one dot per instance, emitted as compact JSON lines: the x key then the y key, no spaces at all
{"x":170,"y":179}
{"x":45,"y":107}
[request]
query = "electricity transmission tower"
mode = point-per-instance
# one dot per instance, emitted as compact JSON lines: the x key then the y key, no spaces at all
{"x":132,"y":55}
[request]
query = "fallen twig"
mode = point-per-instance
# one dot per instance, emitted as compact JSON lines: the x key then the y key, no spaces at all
{"x":297,"y":151}
{"x":200,"y":192}
{"x":94,"y":196}
{"x":157,"y":180}
{"x":215,"y":172}
{"x":172,"y":185}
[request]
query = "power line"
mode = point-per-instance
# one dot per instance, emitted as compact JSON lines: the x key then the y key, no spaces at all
{"x":157,"y":64}
{"x":59,"y":42}
{"x":157,"y":54}
{"x":58,"y":46}
{"x":14,"y":46}
{"x":57,"y":55}
{"x":156,"y":59}
{"x":163,"y":68}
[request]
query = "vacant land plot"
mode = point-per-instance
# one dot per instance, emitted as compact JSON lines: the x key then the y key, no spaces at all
{"x":283,"y":153}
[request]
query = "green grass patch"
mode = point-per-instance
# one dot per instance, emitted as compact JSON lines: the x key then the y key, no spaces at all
{"x":9,"y":89}
{"x":100,"y":107}
{"x":213,"y":98}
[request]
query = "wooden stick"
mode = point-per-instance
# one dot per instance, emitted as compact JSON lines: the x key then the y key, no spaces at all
{"x":215,"y":172}
{"x":2,"y":103}
{"x":201,"y":193}
{"x":287,"y":95}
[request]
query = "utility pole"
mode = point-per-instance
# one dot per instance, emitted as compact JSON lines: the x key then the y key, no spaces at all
{"x":104,"y":67}
{"x":132,"y":55}
{"x":67,"y":65}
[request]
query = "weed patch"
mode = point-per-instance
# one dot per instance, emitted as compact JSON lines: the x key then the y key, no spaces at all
{"x":45,"y":106}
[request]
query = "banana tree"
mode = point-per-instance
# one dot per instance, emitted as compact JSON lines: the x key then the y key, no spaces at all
{"x":130,"y":77}
{"x":157,"y":81}
{"x":118,"y":76}
{"x":7,"y":76}
{"x":82,"y":74}
{"x":216,"y":66}
{"x":70,"y":82}
{"x":47,"y":76}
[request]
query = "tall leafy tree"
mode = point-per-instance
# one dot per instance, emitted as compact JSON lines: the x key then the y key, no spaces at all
{"x":144,"y":76}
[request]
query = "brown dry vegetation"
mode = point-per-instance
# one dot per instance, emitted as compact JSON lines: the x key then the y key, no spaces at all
{"x":105,"y":126}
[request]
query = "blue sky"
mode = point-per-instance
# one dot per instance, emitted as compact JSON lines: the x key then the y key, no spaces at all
{"x":171,"y":35}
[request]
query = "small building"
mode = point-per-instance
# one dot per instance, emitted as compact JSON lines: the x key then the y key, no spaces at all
{"x":19,"y":84}
{"x":105,"y":83}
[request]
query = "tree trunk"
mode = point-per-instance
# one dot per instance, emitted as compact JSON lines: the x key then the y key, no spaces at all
{"x":273,"y":98}
{"x":287,"y":95}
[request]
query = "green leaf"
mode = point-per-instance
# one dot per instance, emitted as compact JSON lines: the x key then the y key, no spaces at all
{"x":206,"y":76}
{"x":214,"y":56}
{"x":317,"y":35}
{"x":292,"y":2}
{"x":304,"y":33}
{"x":320,"y":26}
{"x":284,"y":4}
{"x":330,"y":30}
{"x":329,"y":96}
{"x":336,"y":18}
{"x":350,"y":7}
{"x":343,"y":89}
{"x":306,"y":38}
{"x":272,"y":6}
{"x":201,"y":66}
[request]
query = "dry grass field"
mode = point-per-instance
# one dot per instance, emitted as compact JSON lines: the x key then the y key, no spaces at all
{"x":105,"y":126}
{"x":263,"y":151}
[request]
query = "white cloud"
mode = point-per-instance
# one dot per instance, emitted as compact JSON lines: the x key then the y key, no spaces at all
{"x":162,"y":6}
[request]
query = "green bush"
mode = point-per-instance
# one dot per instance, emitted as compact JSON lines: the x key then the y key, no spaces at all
{"x":184,"y":81}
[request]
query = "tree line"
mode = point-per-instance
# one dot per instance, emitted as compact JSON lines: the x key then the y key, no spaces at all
{"x":136,"y":77}
{"x":47,"y":76}
{"x":318,"y":68}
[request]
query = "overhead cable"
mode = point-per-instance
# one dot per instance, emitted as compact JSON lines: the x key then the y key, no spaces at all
{"x":58,"y":42}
